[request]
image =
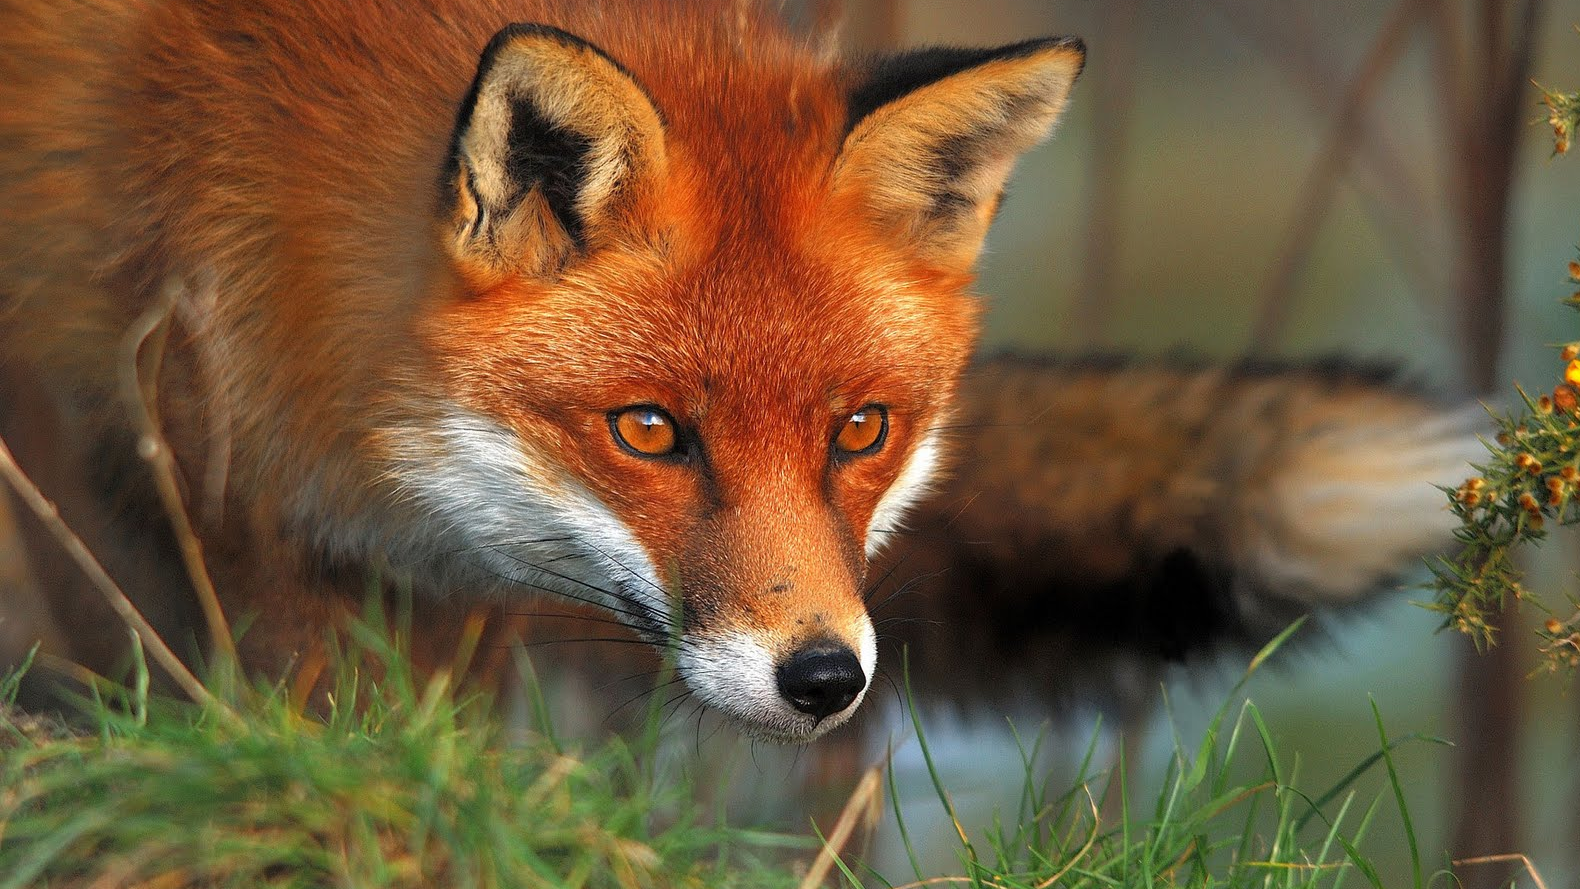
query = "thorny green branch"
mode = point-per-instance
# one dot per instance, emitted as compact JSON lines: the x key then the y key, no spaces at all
{"x":1532,"y":478}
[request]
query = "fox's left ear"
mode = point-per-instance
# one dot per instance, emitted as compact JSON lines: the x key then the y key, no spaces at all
{"x":932,"y":135}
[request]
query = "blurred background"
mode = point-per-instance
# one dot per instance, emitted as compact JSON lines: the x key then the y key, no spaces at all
{"x":1294,"y":179}
{"x":1278,"y":178}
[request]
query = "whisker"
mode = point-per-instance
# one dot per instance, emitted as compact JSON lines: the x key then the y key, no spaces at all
{"x":660,"y":590}
{"x":642,"y":694}
{"x":640,"y":618}
{"x":956,"y":427}
{"x":899,"y":696}
{"x":718,"y":724}
{"x":873,"y":588}
{"x":664,"y":645}
{"x":561,"y":558}
{"x":517,"y":581}
{"x":696,"y":711}
{"x":642,"y":614}
{"x":962,"y":510}
{"x":465,"y":550}
{"x":910,"y":585}
{"x":541,"y":567}
{"x":672,"y":706}
{"x":899,"y":620}
{"x":593,"y":618}
{"x":614,"y":640}
{"x":624,"y":679}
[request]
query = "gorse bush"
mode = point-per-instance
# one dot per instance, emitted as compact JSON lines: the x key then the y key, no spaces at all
{"x":1531,"y":479}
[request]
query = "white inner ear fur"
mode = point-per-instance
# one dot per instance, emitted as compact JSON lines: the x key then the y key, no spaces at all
{"x":575,"y":89}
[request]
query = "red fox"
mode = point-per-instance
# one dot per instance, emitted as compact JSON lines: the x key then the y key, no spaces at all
{"x":646,"y":305}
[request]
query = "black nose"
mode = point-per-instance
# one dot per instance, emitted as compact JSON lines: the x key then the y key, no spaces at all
{"x":821,"y":679}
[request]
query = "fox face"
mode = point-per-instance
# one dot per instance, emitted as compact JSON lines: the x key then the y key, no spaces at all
{"x":696,"y":349}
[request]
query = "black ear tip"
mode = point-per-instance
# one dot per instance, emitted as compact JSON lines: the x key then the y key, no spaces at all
{"x":1065,"y":44}
{"x":882,"y":79}
{"x":519,"y":30}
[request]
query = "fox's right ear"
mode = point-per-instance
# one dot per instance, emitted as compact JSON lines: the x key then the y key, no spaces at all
{"x":554,"y":145}
{"x":932,"y":135}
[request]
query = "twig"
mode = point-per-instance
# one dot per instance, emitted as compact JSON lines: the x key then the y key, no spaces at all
{"x":196,"y":312}
{"x":152,"y":447}
{"x":1530,"y":868}
{"x":1321,"y":185}
{"x":1410,"y":228}
{"x":1091,"y":840}
{"x":1488,"y":700}
{"x":864,"y":805}
{"x":49,"y":515}
{"x":942,"y":881}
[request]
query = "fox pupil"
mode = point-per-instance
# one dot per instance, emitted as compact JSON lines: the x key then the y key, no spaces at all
{"x":645,"y":431}
{"x":863,"y":432}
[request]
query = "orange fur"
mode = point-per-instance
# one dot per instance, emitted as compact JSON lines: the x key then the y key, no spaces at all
{"x":744,"y":266}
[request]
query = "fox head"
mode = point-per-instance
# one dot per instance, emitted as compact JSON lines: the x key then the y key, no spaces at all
{"x":708,"y":303}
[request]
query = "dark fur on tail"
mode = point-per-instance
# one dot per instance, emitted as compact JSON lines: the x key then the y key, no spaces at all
{"x":1107,"y":518}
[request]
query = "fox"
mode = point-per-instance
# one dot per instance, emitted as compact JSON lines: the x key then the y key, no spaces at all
{"x":662,"y":309}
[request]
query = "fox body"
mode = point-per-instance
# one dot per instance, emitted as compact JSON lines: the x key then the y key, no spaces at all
{"x":650,"y":306}
{"x":643,"y":303}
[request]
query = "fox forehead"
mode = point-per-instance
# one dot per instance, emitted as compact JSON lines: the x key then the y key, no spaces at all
{"x":745,"y":325}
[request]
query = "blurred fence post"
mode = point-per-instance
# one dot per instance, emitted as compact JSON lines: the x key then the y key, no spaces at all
{"x":1112,"y":103}
{"x":872,"y":25}
{"x":1483,"y":78}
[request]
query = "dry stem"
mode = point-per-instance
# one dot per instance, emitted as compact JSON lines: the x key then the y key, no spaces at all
{"x":49,"y":515}
{"x":1321,"y":184}
{"x":153,"y":447}
{"x":864,"y":806}
{"x":1530,"y":868}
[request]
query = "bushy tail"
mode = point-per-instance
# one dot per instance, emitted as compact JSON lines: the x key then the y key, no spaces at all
{"x":1106,"y":517}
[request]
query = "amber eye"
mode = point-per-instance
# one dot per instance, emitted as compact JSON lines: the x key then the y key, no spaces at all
{"x":864,"y":432}
{"x":644,"y":431}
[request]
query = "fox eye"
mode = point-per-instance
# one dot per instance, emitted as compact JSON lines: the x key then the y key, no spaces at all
{"x":644,"y":431}
{"x":864,"y":432}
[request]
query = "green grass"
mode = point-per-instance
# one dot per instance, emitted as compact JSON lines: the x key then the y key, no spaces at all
{"x":396,"y":783}
{"x":1230,"y":813}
